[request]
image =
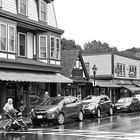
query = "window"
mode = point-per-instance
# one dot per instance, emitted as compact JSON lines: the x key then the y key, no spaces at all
{"x":132,"y":71}
{"x":43,"y":11}
{"x":43,"y":46}
{"x":57,"y":48}
{"x":121,"y":68}
{"x":52,"y":47}
{"x":23,"y":7}
{"x":11,"y":38}
{"x":3,"y":37}
{"x":87,"y":67}
{"x":22,"y":44}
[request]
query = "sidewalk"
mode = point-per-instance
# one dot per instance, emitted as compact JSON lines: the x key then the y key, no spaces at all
{"x":27,"y":120}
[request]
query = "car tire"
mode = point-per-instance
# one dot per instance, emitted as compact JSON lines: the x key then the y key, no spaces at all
{"x":130,"y":109}
{"x":35,"y":123}
{"x":139,"y":108}
{"x":61,"y":119}
{"x":98,"y":113}
{"x":80,"y":116}
{"x":110,"y":111}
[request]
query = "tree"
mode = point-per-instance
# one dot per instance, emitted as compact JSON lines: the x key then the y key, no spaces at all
{"x":69,"y":44}
{"x":98,"y":47}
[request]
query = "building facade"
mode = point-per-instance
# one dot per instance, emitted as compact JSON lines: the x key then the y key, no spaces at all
{"x":116,"y":74}
{"x":30,"y":51}
{"x":74,"y":68}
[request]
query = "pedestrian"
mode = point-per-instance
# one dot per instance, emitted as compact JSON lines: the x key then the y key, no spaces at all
{"x":45,"y":97}
{"x":9,"y":108}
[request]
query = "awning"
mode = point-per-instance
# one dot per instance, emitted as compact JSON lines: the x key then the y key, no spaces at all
{"x":110,"y":84}
{"x":131,"y":87}
{"x":21,"y":76}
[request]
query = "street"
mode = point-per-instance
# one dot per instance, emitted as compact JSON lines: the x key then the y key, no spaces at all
{"x":123,"y":126}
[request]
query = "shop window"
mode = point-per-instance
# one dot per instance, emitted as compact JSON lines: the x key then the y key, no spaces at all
{"x":43,"y":46}
{"x":22,"y":44}
{"x":121,"y":70}
{"x":132,"y":71}
{"x":43,"y":10}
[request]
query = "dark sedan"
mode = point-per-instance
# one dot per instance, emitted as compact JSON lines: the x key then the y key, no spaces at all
{"x":58,"y":109}
{"x":97,"y":105}
{"x":127,"y":104}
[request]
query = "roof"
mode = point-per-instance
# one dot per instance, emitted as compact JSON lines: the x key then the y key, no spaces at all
{"x":68,"y":61}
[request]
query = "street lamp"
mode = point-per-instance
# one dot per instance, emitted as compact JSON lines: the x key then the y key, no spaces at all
{"x":94,"y":73}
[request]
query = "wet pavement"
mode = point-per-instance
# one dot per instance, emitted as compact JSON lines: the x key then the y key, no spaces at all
{"x":123,"y":126}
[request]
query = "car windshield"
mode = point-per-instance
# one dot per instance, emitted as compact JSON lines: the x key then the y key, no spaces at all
{"x":52,"y":101}
{"x":124,"y":100}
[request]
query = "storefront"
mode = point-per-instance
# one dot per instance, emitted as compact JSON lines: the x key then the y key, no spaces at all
{"x":23,"y":86}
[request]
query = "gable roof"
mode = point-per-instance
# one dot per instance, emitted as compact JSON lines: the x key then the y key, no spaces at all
{"x":68,"y":61}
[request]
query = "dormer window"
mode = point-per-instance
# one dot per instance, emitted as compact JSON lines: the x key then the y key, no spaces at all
{"x":43,"y":11}
{"x":23,"y":7}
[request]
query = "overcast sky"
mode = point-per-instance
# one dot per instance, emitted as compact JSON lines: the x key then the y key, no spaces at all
{"x":116,"y":22}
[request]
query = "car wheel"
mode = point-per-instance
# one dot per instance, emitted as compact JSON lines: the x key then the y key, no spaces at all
{"x":35,"y":123}
{"x":98,"y":113}
{"x":130,"y":109}
{"x":139,"y":108}
{"x":61,"y":118}
{"x":80,"y":116}
{"x":111,"y":111}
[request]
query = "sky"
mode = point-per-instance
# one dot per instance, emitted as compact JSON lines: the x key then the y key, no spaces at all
{"x":116,"y":22}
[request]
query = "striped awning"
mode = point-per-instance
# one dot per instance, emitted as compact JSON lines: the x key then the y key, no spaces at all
{"x":131,"y":87}
{"x":22,"y":76}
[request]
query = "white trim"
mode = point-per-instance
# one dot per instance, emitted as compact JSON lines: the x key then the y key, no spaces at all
{"x":26,"y":8}
{"x":14,"y":38}
{"x":46,"y":46}
{"x":6,"y":36}
{"x":25,"y":44}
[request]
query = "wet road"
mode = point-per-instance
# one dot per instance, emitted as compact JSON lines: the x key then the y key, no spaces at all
{"x":124,"y":126}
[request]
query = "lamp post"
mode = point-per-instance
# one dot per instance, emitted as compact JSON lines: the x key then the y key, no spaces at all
{"x":94,"y":73}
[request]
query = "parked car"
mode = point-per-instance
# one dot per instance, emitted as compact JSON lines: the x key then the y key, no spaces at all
{"x":97,"y":105}
{"x":57,"y":109}
{"x":137,"y":96}
{"x":127,"y":104}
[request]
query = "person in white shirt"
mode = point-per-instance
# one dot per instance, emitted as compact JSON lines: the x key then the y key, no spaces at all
{"x":7,"y":108}
{"x":9,"y":105}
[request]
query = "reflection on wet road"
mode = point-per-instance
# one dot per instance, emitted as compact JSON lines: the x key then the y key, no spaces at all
{"x":125,"y":126}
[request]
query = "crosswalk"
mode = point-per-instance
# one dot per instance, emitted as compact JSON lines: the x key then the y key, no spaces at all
{"x":85,"y":134}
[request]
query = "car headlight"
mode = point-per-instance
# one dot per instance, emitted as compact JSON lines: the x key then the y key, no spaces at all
{"x":91,"y":106}
{"x":53,"y":109}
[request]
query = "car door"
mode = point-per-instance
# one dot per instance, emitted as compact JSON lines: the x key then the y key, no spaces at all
{"x":68,"y":107}
{"x":107,"y":103}
{"x":102,"y":104}
{"x":76,"y":105}
{"x":135,"y":103}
